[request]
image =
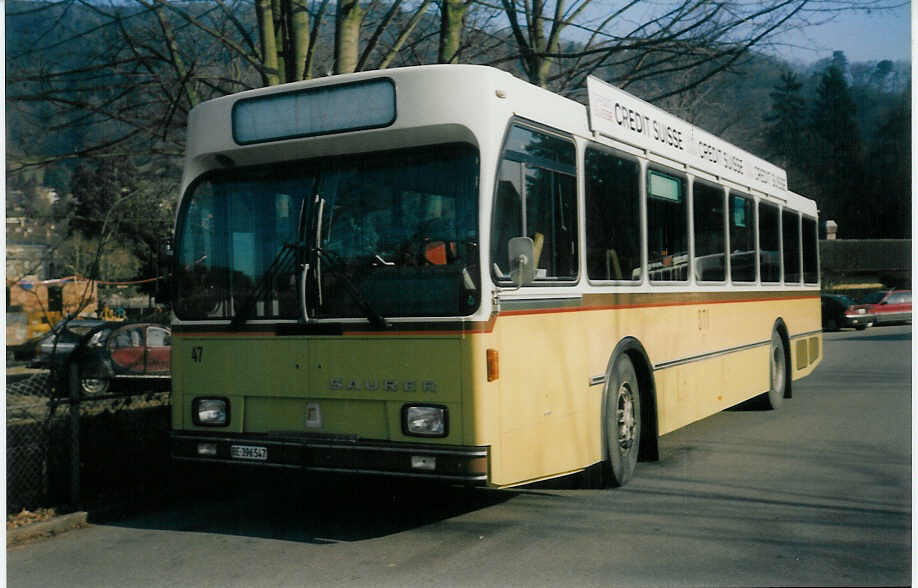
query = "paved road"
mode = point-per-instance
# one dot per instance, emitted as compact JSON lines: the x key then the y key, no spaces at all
{"x":815,"y":494}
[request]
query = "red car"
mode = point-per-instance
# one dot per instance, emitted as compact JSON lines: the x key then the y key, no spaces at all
{"x":839,"y":311}
{"x":111,"y":355}
{"x":890,"y":306}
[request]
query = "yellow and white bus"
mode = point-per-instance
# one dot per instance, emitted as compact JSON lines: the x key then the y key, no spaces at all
{"x":446,"y":272}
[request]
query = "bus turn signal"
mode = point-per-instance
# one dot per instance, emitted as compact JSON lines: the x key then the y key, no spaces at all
{"x":493,"y":365}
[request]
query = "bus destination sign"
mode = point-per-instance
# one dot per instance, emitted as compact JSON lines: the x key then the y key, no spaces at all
{"x":617,"y":114}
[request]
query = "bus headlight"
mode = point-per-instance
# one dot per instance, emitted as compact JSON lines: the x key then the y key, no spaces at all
{"x":425,"y":420}
{"x":210,"y":412}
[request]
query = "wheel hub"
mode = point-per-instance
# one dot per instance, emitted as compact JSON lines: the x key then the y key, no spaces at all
{"x":93,"y":385}
{"x":626,"y":420}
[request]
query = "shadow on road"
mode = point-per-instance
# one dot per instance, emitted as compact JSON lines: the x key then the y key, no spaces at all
{"x":755,"y":404}
{"x":888,"y":337}
{"x":309,"y":508}
{"x":893,"y":332}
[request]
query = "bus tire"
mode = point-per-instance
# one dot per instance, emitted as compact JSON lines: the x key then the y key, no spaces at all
{"x":622,"y":416}
{"x":777,"y":372}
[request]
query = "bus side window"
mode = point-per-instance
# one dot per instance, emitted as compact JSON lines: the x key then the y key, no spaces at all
{"x":810,"y":248}
{"x":551,"y":218}
{"x":613,"y":218}
{"x":742,"y":238}
{"x":667,"y":228}
{"x":708,"y":213}
{"x":537,"y":198}
{"x":769,"y":243}
{"x":508,"y":211}
{"x":790,"y":235}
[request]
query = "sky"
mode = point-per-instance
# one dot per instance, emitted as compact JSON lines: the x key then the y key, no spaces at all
{"x":863,"y":37}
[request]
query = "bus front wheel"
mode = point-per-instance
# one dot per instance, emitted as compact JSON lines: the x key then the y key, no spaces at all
{"x":622,"y":420}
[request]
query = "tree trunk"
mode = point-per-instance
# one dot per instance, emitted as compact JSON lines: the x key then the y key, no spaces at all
{"x":265,"y":14}
{"x":280,"y":9}
{"x":347,"y":37}
{"x":313,"y":37}
{"x":452,"y":23}
{"x":299,"y":32}
{"x":178,"y":63}
{"x":403,"y":36}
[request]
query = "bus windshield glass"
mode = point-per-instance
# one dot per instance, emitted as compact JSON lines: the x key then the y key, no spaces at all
{"x":395,"y":231}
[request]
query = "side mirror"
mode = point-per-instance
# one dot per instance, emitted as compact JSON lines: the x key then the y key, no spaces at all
{"x":521,"y":252}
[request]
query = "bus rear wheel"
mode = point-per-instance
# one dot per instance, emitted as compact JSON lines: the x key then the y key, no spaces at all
{"x":622,"y":421}
{"x":777,"y":370}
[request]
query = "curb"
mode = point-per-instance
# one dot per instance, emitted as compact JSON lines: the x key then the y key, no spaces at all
{"x":69,"y":522}
{"x":55,"y":526}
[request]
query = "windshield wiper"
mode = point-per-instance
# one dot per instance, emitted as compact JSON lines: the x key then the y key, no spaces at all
{"x":283,"y":261}
{"x":376,"y":319}
{"x":315,"y":257}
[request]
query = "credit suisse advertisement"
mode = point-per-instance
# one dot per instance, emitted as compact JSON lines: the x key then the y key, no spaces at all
{"x":619,"y":115}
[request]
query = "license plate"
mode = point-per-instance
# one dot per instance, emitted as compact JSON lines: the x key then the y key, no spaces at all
{"x":249,"y":452}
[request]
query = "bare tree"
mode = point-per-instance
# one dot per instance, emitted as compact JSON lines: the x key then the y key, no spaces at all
{"x":347,"y":35}
{"x":126,"y":73}
{"x":630,"y":42}
{"x":399,"y":23}
{"x":453,"y":15}
{"x":123,"y":76}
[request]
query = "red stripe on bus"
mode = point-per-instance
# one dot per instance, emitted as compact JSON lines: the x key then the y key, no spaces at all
{"x":487,"y":327}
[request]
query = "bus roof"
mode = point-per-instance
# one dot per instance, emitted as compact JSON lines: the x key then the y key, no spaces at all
{"x":431,"y":102}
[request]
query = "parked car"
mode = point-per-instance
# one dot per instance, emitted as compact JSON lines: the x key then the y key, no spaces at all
{"x":839,"y":311}
{"x":111,"y":355}
{"x":890,"y":306}
{"x":55,"y":346}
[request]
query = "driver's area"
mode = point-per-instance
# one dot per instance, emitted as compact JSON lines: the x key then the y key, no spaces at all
{"x":401,"y":230}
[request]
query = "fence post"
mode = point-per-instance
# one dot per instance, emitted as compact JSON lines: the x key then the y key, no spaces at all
{"x":74,"y":386}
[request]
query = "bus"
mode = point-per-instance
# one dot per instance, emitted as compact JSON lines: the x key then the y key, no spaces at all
{"x":446,"y":272}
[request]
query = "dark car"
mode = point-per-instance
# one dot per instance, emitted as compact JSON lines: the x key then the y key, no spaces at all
{"x":63,"y":338}
{"x":890,"y":306}
{"x":839,"y":311}
{"x":110,"y":355}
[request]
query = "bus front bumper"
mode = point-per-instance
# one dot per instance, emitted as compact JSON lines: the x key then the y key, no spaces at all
{"x":341,"y":454}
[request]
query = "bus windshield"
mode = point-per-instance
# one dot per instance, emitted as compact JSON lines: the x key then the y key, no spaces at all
{"x":395,"y":231}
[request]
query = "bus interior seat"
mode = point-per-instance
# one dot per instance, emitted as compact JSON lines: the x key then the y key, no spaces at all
{"x":439,"y":252}
{"x":538,"y":240}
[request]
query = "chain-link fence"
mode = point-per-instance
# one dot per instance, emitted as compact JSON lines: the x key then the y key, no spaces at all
{"x":121,"y":441}
{"x":27,"y":432}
